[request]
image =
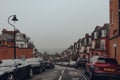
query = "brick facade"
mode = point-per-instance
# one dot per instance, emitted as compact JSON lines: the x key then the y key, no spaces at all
{"x":114,"y":47}
{"x":113,"y":18}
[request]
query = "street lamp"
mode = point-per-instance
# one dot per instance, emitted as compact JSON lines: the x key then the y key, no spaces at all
{"x":115,"y":46}
{"x":13,"y":18}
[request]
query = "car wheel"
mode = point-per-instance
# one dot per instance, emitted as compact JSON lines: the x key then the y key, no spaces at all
{"x":10,"y":77}
{"x":40,"y":70}
{"x":92,"y":77}
{"x":86,"y":73}
{"x":76,"y":67}
{"x":91,"y":74}
{"x":43,"y":69}
{"x":31,"y":73}
{"x":112,"y":79}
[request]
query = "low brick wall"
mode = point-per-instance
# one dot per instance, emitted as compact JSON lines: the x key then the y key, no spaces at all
{"x":8,"y":52}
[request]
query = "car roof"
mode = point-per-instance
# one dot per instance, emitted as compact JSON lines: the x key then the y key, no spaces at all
{"x":9,"y":62}
{"x":33,"y":59}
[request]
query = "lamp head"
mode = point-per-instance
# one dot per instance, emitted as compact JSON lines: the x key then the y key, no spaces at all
{"x":14,"y":18}
{"x":115,"y":45}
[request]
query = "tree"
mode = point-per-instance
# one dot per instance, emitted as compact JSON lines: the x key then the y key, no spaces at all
{"x":46,"y":55}
{"x":57,"y":54}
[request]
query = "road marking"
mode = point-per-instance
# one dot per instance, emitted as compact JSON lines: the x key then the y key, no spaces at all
{"x":60,"y":78}
{"x":83,"y":76}
{"x":63,"y":71}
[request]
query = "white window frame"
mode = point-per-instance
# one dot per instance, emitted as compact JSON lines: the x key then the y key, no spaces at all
{"x":93,"y":44}
{"x":95,"y":35}
{"x":89,"y":40}
{"x":103,"y":33}
{"x":85,"y":41}
{"x":102,"y":44}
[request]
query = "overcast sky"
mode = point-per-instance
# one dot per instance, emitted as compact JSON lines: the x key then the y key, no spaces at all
{"x":54,"y":25}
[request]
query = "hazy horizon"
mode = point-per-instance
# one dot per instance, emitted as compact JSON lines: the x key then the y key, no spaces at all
{"x":51,"y":50}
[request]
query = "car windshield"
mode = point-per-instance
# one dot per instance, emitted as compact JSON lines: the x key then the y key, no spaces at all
{"x":82,"y":59}
{"x":94,"y":58}
{"x":107,"y":60}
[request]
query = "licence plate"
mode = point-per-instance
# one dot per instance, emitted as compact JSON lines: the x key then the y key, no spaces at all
{"x":108,"y":69}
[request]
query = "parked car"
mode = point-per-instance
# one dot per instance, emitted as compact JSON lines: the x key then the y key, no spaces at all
{"x":65,"y":63}
{"x":14,"y":69}
{"x":59,"y":63}
{"x":35,"y":64}
{"x":81,"y":62}
{"x":48,"y":65}
{"x":72,"y":63}
{"x":104,"y":67}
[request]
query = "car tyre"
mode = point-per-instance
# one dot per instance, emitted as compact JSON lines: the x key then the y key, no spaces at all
{"x":31,"y":73}
{"x":92,"y":77}
{"x":10,"y":77}
{"x":86,"y":73}
{"x":40,"y":70}
{"x":76,"y":66}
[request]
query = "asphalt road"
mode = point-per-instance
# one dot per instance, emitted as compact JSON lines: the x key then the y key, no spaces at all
{"x":65,"y":73}
{"x":61,"y":73}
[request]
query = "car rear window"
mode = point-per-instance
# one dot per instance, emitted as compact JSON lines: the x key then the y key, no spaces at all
{"x":107,"y":60}
{"x":7,"y":63}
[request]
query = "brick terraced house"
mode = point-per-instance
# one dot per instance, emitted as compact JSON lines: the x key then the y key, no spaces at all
{"x":100,"y":41}
{"x":85,"y":46}
{"x":24,"y":48}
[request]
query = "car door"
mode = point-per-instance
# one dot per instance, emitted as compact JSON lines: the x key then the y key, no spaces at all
{"x":19,"y":70}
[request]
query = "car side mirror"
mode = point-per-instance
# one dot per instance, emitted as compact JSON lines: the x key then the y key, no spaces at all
{"x":17,"y":65}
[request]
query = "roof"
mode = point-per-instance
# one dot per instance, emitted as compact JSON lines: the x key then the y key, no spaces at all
{"x":105,"y":26}
{"x":1,"y":39}
{"x":87,"y":35}
{"x":97,"y":28}
{"x":6,"y":37}
{"x":9,"y":35}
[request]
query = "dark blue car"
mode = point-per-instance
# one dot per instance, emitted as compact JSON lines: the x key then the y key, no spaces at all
{"x":14,"y":69}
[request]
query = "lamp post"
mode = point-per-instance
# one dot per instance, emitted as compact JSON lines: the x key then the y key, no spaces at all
{"x":13,"y":18}
{"x":115,"y":46}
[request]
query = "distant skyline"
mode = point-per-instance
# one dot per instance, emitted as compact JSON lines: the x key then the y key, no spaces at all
{"x":54,"y":25}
